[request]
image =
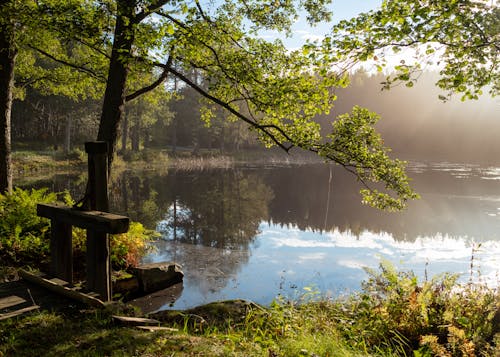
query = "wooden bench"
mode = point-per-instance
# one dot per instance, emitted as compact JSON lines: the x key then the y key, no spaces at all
{"x":98,"y":225}
{"x":96,"y":221}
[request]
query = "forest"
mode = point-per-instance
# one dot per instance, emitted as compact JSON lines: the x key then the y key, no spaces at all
{"x":415,"y":123}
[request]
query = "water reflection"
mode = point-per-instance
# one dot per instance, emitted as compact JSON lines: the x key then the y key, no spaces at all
{"x":221,"y":209}
{"x":256,"y":232}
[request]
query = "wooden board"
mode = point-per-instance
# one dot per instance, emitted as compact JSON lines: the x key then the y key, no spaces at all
{"x":18,"y":312}
{"x":157,"y":328}
{"x":135,"y":320}
{"x":93,"y":220}
{"x":60,"y":288}
{"x":10,"y":301}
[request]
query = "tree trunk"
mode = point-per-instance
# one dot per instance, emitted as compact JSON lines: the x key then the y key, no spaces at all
{"x":8,"y":53}
{"x":67,"y":138}
{"x":174,"y":135}
{"x":124,"y":133}
{"x":114,"y":97}
{"x":135,"y":138}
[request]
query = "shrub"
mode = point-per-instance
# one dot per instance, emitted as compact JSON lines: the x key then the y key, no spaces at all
{"x":25,"y":237}
{"x":435,"y":317}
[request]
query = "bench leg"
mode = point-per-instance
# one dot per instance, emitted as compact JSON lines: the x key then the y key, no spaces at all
{"x":61,"y":251}
{"x":98,"y":264}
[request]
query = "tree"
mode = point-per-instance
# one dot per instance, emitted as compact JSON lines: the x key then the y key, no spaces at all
{"x":276,"y":92}
{"x":8,"y":54}
{"x":462,"y":37}
{"x":29,"y":29}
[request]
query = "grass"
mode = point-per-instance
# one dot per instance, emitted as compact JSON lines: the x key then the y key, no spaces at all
{"x":27,"y":162}
{"x":33,"y":162}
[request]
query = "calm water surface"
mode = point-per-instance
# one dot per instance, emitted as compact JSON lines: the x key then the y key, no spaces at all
{"x":254,"y":233}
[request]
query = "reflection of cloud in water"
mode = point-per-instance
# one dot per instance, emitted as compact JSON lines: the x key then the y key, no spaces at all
{"x":351,"y":264}
{"x":491,"y":173}
{"x":442,"y":253}
{"x":458,"y":170}
{"x":312,"y":256}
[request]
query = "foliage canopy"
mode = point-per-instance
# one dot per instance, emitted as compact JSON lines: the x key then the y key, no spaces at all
{"x":460,"y":37}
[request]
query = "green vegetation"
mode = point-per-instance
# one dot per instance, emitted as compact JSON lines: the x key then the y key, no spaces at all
{"x":393,"y":315}
{"x":25,"y":237}
{"x":143,"y":55}
{"x":460,"y":36}
{"x":28,"y":162}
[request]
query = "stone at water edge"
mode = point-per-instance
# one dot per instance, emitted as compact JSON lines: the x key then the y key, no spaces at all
{"x":157,"y":276}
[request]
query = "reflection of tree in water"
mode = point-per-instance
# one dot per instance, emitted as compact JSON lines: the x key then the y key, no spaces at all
{"x":223,"y":209}
{"x":211,"y":222}
{"x":135,"y":195}
{"x":449,"y":206}
{"x":207,"y":269}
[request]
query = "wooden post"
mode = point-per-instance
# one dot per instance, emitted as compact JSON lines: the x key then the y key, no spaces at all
{"x":98,"y":250}
{"x":98,"y":175}
{"x":61,"y":251}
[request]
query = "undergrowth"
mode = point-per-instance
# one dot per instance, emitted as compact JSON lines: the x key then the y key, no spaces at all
{"x":25,"y":237}
{"x":393,"y":315}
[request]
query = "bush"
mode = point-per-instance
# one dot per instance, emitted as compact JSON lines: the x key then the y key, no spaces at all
{"x":25,"y":237}
{"x":127,"y":249}
{"x":77,"y":155}
{"x":435,"y":317}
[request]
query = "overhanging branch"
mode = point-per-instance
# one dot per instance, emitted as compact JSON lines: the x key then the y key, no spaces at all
{"x":264,"y":128}
{"x":153,"y":85}
{"x":69,"y":64}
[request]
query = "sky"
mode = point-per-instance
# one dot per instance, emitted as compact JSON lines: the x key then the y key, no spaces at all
{"x":342,"y":9}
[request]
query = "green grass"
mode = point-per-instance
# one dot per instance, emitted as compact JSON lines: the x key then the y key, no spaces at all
{"x":27,"y":162}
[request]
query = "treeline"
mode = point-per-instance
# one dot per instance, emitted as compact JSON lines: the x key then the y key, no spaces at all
{"x":174,"y":122}
{"x":415,"y":123}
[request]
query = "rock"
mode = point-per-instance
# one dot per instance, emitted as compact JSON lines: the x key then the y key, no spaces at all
{"x":127,"y":285}
{"x":158,"y":276}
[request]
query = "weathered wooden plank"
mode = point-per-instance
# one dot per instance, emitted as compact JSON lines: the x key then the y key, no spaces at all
{"x":98,"y":264}
{"x":40,"y":280}
{"x":127,"y":320}
{"x":157,"y":328}
{"x":98,"y":174}
{"x":8,"y":315}
{"x":95,"y":220}
{"x":61,"y":251}
{"x":10,"y":301}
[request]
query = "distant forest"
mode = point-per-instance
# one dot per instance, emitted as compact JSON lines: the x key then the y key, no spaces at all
{"x":415,"y":123}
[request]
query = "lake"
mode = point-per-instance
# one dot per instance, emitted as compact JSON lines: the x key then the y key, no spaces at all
{"x":259,"y":232}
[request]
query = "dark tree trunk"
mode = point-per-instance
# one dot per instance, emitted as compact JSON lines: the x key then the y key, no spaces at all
{"x":114,"y":96}
{"x":135,"y":138}
{"x":124,"y":133}
{"x":67,"y":135}
{"x":8,"y":55}
{"x":174,"y":135}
